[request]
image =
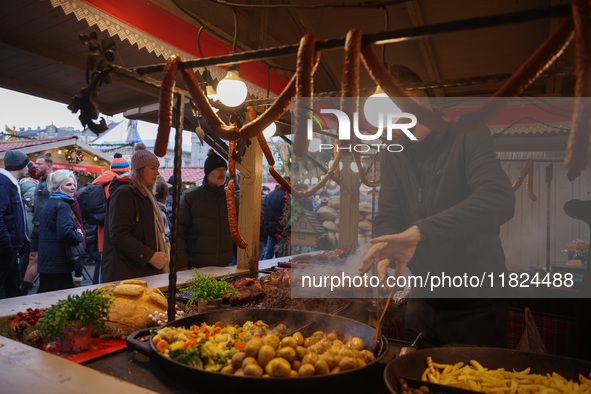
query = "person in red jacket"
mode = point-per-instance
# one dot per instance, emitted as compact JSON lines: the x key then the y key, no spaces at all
{"x":119,"y":166}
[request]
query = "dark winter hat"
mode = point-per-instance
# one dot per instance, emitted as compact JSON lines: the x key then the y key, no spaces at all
{"x":213,"y":161}
{"x":142,"y":157}
{"x":119,"y":164}
{"x":15,"y":160}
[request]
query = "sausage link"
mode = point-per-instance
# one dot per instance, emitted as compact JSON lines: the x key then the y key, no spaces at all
{"x":231,"y":161}
{"x":276,"y":110}
{"x":304,"y":89}
{"x":382,"y":77}
{"x":310,"y":192}
{"x":214,"y":122}
{"x":539,"y":61}
{"x":362,"y":174}
{"x":578,"y":146}
{"x":252,"y":114}
{"x":166,"y":104}
{"x":350,"y":80}
{"x":522,"y":174}
{"x":232,"y":216}
{"x":280,"y":180}
{"x":529,"y":186}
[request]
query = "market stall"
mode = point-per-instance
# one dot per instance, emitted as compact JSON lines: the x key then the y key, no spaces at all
{"x":237,"y":134}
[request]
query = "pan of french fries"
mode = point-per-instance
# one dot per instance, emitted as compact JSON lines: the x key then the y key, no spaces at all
{"x":486,"y":370}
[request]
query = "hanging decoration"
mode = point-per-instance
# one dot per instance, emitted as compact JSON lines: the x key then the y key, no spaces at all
{"x":74,"y":155}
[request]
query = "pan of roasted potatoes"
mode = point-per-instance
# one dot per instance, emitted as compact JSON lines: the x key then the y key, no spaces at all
{"x":486,"y":370}
{"x":264,"y":349}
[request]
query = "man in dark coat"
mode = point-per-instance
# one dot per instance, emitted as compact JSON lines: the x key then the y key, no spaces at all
{"x":43,"y":167}
{"x":204,"y":237}
{"x":13,"y":223}
{"x":442,"y":202}
{"x":275,"y":202}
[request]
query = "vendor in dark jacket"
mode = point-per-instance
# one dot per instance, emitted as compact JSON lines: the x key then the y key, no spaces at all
{"x":134,"y":242}
{"x":442,"y":201}
{"x":204,"y":236}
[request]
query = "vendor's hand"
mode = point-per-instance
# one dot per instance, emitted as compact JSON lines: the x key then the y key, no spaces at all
{"x":159,"y":260}
{"x":396,"y":248}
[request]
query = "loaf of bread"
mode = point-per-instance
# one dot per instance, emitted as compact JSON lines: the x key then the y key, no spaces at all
{"x":134,"y":302}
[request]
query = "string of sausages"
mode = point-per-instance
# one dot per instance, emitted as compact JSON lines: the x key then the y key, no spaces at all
{"x":578,"y":146}
{"x":231,"y":201}
{"x":528,"y":170}
{"x":301,"y":85}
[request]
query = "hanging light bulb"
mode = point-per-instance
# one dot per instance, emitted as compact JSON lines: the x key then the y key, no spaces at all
{"x":95,"y":158}
{"x":378,"y":105}
{"x":270,"y":131}
{"x":59,"y":152}
{"x":232,"y":90}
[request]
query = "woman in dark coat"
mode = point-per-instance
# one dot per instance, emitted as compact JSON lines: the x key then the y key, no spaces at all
{"x":57,"y":230}
{"x":134,"y":243}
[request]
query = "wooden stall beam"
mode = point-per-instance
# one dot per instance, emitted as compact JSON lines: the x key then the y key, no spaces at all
{"x":250,"y":206}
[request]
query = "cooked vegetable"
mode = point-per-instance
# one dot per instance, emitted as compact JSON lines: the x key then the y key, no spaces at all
{"x":254,"y":349}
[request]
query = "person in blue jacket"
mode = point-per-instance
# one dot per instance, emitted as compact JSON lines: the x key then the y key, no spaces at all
{"x":57,"y":230}
{"x":13,"y":224}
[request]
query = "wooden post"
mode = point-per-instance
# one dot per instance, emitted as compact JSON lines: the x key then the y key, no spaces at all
{"x":249,"y":214}
{"x":349,"y":210}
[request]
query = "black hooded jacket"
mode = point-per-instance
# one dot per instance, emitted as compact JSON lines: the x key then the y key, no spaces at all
{"x":204,"y":237}
{"x":454,"y":189}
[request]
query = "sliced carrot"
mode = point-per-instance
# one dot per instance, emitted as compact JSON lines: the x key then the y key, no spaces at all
{"x":156,"y":339}
{"x":240,"y":345}
{"x":162,"y":346}
{"x":219,"y":324}
{"x":217,"y":330}
{"x":242,"y":334}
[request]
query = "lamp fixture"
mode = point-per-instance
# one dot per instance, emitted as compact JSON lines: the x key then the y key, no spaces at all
{"x":95,"y":158}
{"x":232,"y":90}
{"x":377,"y":105}
{"x":270,"y":131}
{"x":59,"y":152}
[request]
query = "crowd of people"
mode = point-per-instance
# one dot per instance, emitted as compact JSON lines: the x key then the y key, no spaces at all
{"x":122,"y":219}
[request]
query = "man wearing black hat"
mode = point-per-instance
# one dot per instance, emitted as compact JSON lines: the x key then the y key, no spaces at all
{"x":204,"y":236}
{"x":13,"y":224}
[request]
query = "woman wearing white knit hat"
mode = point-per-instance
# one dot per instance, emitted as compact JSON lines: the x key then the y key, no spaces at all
{"x":134,"y":244}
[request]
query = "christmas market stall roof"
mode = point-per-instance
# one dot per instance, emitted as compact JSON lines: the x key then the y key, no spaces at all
{"x":32,"y":146}
{"x":188,"y":174}
{"x":460,"y":48}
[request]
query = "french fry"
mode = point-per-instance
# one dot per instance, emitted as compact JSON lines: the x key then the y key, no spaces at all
{"x":473,"y":376}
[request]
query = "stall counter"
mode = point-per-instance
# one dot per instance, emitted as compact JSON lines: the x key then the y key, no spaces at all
{"x":25,"y":369}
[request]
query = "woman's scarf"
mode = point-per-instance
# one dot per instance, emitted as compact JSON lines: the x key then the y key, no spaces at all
{"x":158,"y":225}
{"x":61,"y":196}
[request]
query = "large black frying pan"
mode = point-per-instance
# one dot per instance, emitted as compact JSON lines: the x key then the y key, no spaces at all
{"x":342,"y":382}
{"x":412,"y":365}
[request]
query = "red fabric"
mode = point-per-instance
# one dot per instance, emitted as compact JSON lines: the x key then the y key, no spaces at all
{"x":98,"y":347}
{"x":559,"y":333}
{"x":159,"y":23}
